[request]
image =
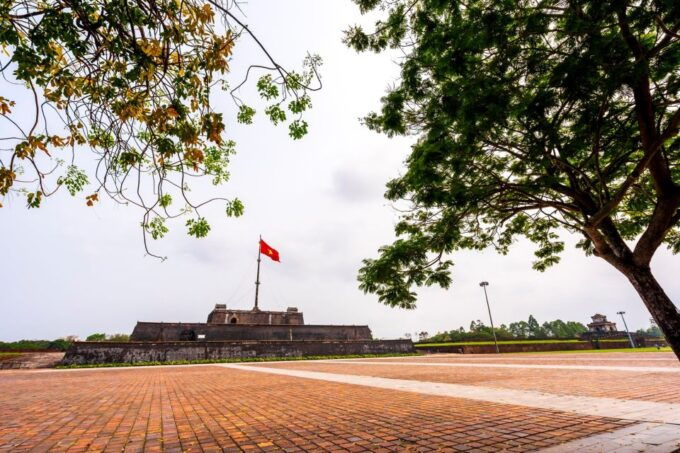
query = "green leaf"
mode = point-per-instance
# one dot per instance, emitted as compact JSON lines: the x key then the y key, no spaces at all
{"x":165,"y":200}
{"x":157,"y":227}
{"x":266,"y":87}
{"x":198,"y":228}
{"x":275,"y":114}
{"x":297,"y":129}
{"x":245,"y":114}
{"x":300,"y":105}
{"x":216,"y":161}
{"x":235,"y":208}
{"x":74,"y":180}
{"x":33,"y":199}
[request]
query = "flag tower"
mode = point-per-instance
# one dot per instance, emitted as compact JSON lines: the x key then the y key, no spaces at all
{"x":257,"y":280}
{"x":265,"y":248}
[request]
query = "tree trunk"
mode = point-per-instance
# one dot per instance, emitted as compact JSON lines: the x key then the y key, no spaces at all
{"x":664,"y":312}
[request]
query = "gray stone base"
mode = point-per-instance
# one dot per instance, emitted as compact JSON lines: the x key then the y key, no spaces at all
{"x":30,"y":360}
{"x":109,"y":352}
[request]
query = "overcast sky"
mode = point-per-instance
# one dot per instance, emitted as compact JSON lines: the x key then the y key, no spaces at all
{"x":68,"y":269}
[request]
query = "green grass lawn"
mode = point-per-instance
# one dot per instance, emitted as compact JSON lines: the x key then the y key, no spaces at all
{"x":482,"y":343}
{"x":588,"y":351}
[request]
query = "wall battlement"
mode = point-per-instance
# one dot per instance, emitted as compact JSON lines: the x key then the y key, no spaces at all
{"x":222,"y":315}
{"x":160,"y":331}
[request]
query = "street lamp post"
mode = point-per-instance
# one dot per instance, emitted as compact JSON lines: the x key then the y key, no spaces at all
{"x":632,"y":343}
{"x":493,"y":330}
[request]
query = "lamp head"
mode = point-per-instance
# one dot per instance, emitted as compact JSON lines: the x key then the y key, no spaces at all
{"x":484,"y":284}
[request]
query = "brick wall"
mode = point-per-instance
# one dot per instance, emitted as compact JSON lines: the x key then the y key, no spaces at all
{"x":223,"y":315}
{"x":158,"y":331}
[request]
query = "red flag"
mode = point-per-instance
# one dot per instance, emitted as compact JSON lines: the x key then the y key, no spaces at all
{"x":270,"y":252}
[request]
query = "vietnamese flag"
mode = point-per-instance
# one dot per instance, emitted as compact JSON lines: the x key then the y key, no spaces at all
{"x":269,"y":251}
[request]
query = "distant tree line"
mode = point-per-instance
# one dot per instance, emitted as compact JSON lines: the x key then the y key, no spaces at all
{"x":652,"y":331}
{"x":529,"y":329}
{"x":60,"y":344}
{"x":120,"y":337}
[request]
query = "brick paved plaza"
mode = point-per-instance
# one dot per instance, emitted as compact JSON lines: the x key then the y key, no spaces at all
{"x":553,"y":402}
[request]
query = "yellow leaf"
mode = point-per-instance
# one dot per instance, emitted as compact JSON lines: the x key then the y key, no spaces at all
{"x":91,"y":199}
{"x":206,"y":13}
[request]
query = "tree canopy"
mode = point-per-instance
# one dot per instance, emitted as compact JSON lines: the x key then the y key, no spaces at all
{"x":96,"y":337}
{"x":514,"y":331}
{"x":134,"y":82}
{"x":60,"y":344}
{"x":651,"y":331}
{"x":118,"y":337}
{"x":531,"y":118}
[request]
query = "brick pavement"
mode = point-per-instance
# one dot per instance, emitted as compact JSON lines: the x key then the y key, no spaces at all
{"x":644,"y":386}
{"x":209,"y":408}
{"x":666,"y":413}
{"x":641,"y":437}
{"x":627,"y":359}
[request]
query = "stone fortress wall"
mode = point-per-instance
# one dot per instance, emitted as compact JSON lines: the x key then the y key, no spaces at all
{"x":230,"y":334}
{"x":225,"y":324}
{"x":85,"y":352}
{"x":163,"y":331}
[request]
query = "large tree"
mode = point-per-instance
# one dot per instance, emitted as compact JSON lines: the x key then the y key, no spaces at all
{"x":532,"y":117}
{"x":135,"y":82}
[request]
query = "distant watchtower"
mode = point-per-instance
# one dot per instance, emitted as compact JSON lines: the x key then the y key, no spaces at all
{"x":601,"y":325}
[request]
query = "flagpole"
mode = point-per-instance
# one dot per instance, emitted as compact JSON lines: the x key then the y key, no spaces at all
{"x":257,"y":280}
